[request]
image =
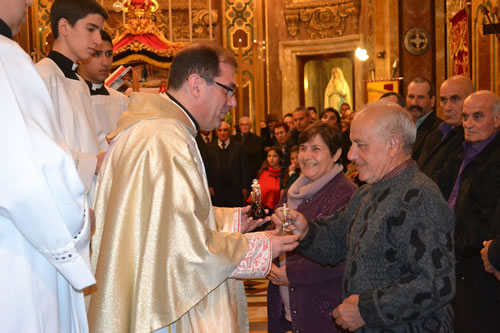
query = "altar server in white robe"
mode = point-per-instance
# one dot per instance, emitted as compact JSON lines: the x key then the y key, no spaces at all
{"x":75,"y":26}
{"x":108,"y":104}
{"x":44,"y":227}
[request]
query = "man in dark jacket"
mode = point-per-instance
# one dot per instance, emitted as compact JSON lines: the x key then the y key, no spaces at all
{"x":252,"y":145}
{"x":446,"y":140}
{"x":283,"y":140}
{"x":226,"y":169}
{"x":420,"y":102}
{"x":475,"y":192}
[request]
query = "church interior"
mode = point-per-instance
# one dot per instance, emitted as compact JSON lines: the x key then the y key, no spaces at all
{"x":286,"y":49}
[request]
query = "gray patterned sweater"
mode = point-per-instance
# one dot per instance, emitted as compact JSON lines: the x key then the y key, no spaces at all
{"x":397,"y":239}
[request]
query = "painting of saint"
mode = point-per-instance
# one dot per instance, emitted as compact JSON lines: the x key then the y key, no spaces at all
{"x":337,"y":91}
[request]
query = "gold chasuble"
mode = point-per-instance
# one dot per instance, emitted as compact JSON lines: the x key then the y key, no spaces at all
{"x":162,"y":253}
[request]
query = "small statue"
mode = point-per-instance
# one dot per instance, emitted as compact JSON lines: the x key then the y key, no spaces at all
{"x":285,"y":230}
{"x":256,"y":210}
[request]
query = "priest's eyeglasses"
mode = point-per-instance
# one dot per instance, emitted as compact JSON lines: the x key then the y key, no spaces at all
{"x":229,"y":90}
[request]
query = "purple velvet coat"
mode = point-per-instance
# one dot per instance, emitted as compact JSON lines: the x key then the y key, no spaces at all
{"x":314,"y":289}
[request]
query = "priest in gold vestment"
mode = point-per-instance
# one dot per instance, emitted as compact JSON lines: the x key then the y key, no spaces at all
{"x":165,"y":259}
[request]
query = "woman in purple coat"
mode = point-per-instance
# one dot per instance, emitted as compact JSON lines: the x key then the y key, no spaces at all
{"x":302,"y":294}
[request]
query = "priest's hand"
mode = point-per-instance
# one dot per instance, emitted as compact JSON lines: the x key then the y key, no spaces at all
{"x":278,"y":276}
{"x":282,"y":244}
{"x":248,"y":223}
{"x":298,"y":223}
{"x":347,"y":314}
{"x":100,"y":159}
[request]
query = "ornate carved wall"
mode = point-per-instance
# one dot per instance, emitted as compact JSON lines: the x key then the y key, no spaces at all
{"x":298,"y":28}
{"x":322,"y":19}
{"x":267,"y":87}
{"x":182,"y":28}
{"x":244,"y":35}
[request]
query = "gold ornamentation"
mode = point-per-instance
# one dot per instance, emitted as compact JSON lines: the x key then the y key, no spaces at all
{"x":201,"y":21}
{"x":140,"y":16}
{"x":323,"y":19}
{"x":312,"y":3}
{"x":143,"y":34}
{"x":183,"y":4}
{"x":292,"y":22}
{"x":417,"y":41}
{"x":140,"y":8}
{"x":43,"y":26}
{"x":139,"y":57}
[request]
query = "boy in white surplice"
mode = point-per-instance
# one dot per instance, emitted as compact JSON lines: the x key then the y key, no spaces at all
{"x":75,"y":26}
{"x":44,"y":225}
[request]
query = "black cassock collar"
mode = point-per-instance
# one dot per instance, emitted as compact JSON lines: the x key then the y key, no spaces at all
{"x":67,"y":66}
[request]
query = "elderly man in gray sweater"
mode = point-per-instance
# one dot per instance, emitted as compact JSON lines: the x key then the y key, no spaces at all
{"x":395,"y":235}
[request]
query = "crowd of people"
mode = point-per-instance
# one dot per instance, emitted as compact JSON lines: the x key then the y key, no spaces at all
{"x":232,"y":162}
{"x":459,"y":155}
{"x":140,"y":203}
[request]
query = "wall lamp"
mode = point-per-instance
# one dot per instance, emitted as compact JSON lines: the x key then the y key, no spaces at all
{"x":361,"y":54}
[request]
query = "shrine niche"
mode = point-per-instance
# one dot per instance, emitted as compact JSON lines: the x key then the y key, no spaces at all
{"x":322,"y":19}
{"x":324,"y":55}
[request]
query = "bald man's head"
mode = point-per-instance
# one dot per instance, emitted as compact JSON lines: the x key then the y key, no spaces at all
{"x":382,"y":137}
{"x":481,"y":116}
{"x":387,"y":119}
{"x":452,"y":95}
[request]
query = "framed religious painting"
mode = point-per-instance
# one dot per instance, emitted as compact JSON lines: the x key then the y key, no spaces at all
{"x":328,"y":80}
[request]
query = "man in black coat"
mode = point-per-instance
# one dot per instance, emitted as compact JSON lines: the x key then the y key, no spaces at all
{"x":420,"y":102}
{"x":226,"y":168}
{"x":446,"y":140}
{"x":474,"y":194}
{"x":203,"y":140}
{"x":283,"y":140}
{"x":252,"y":145}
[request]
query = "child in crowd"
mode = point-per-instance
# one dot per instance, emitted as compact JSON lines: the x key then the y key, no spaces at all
{"x":269,"y":178}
